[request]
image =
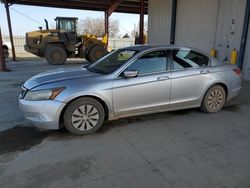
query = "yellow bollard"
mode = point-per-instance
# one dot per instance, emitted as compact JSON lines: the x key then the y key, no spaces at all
{"x":105,"y":39}
{"x":145,"y":39}
{"x":110,"y":49}
{"x":234,"y":55}
{"x":213,"y":52}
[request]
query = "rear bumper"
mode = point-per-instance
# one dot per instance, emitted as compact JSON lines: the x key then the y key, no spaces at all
{"x":43,"y":114}
{"x":235,"y":87}
{"x":233,"y":93}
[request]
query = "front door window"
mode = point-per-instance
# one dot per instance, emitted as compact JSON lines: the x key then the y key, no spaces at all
{"x":153,"y":62}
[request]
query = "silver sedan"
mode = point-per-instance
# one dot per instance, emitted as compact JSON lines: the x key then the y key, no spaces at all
{"x":130,"y":81}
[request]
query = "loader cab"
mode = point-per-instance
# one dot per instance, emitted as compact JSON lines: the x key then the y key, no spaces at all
{"x":66,"y":24}
{"x":67,"y":32}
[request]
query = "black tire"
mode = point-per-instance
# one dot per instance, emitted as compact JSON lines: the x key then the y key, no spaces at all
{"x":87,"y":57}
{"x":55,"y":54}
{"x":96,"y":52}
{"x":214,"y":99}
{"x":6,"y":52}
{"x":84,"y":116}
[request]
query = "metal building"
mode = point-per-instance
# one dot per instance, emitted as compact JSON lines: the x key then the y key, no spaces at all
{"x":204,"y":24}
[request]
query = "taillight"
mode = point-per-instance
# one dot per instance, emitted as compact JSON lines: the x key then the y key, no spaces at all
{"x":237,"y":71}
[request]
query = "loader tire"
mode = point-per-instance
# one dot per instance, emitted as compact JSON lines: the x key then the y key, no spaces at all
{"x":5,"y":52}
{"x":87,"y":57}
{"x":96,"y":52}
{"x":55,"y":55}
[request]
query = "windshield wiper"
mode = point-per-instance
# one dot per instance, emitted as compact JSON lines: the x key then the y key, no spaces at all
{"x":91,"y":69}
{"x":85,"y":66}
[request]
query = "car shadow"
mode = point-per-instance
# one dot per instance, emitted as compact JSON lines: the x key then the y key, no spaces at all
{"x":22,"y":138}
{"x":127,"y":122}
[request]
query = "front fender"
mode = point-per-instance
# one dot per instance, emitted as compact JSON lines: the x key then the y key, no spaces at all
{"x":106,"y":97}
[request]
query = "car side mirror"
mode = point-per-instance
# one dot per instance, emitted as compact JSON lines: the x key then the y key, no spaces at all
{"x":85,"y":65}
{"x":130,"y":74}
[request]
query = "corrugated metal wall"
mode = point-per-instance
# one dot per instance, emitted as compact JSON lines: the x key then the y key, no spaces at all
{"x":246,"y":64}
{"x":159,"y":21}
{"x":207,"y":24}
{"x":229,"y":27}
{"x":203,"y":24}
{"x":196,"y":22}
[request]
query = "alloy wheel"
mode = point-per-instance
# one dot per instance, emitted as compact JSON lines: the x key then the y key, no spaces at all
{"x":215,"y":99}
{"x":85,"y":117}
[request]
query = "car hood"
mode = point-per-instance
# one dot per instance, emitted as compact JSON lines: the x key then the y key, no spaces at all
{"x":58,"y":75}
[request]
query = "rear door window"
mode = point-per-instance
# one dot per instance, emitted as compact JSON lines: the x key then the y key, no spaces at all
{"x":183,"y":59}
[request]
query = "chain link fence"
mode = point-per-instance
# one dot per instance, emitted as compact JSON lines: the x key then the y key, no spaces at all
{"x":19,"y":42}
{"x":120,"y":43}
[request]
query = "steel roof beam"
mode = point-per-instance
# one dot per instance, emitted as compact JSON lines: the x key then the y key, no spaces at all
{"x":96,"y":5}
{"x":113,"y":6}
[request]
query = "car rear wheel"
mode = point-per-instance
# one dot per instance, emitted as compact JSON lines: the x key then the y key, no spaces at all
{"x":84,"y":116}
{"x":55,"y":55}
{"x":214,"y":99}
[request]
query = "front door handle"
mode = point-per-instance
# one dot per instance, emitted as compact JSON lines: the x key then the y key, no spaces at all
{"x":205,"y":71}
{"x":160,"y":78}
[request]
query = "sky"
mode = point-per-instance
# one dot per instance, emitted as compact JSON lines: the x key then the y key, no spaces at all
{"x":22,"y":24}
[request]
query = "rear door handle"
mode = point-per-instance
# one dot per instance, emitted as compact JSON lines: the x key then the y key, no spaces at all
{"x":205,"y":71}
{"x":160,"y":78}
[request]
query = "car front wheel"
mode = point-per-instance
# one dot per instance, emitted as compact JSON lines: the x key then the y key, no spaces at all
{"x":83,"y":116}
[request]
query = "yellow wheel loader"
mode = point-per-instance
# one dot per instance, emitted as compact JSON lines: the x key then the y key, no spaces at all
{"x":56,"y":45}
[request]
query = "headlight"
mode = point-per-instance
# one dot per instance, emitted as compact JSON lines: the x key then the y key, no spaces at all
{"x":53,"y":34}
{"x":45,"y":94}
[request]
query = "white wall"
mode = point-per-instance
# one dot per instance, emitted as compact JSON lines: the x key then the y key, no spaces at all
{"x":246,"y":63}
{"x":196,"y":23}
{"x":159,"y":21}
{"x":228,"y":10}
{"x":203,"y":24}
{"x":207,"y":24}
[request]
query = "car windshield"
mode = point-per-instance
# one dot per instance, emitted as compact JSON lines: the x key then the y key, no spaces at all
{"x":111,"y":62}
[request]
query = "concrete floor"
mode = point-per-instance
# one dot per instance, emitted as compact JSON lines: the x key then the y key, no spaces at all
{"x":184,"y":148}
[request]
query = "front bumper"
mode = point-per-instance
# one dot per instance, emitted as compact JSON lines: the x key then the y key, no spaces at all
{"x":31,"y":50}
{"x":43,"y":114}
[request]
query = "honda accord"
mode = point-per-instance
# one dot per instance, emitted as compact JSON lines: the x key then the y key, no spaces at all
{"x":131,"y":81}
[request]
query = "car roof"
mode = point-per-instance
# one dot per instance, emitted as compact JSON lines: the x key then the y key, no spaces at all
{"x":143,"y":47}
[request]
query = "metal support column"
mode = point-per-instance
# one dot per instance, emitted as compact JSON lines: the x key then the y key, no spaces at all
{"x":2,"y":60}
{"x":10,"y":31}
{"x":173,"y":21}
{"x":141,"y":27}
{"x":244,"y":35}
{"x":108,"y":13}
{"x":106,"y":25}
